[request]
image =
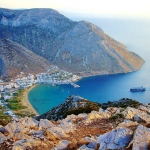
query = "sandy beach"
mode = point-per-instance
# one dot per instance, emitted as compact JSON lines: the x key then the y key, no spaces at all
{"x":26,"y":101}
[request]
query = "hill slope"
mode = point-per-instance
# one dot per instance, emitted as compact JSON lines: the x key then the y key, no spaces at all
{"x":72,"y":105}
{"x":15,"y":58}
{"x":79,"y":47}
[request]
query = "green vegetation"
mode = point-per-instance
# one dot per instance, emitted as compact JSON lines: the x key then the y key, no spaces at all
{"x":116,"y":117}
{"x":90,"y":106}
{"x":25,"y":115}
{"x":123,"y":103}
{"x":4,"y":119}
{"x":15,"y":102}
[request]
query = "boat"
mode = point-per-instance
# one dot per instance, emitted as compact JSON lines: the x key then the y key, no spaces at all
{"x":138,"y":89}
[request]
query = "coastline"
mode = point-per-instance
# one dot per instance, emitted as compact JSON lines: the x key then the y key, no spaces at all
{"x":26,"y":100}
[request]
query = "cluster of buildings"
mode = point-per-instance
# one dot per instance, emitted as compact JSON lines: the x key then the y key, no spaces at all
{"x":56,"y":76}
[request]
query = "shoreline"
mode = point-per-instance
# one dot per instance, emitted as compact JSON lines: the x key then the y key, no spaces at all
{"x":26,"y":100}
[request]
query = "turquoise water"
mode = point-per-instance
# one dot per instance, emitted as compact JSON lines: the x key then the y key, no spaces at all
{"x":135,"y":34}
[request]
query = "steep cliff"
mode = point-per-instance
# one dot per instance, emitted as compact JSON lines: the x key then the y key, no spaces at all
{"x":15,"y":58}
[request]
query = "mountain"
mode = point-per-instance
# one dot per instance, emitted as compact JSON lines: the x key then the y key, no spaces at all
{"x":15,"y":58}
{"x":79,"y":47}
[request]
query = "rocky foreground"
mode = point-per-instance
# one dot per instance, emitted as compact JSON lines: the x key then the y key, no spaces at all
{"x":112,"y":128}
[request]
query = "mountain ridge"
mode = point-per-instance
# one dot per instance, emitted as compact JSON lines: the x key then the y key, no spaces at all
{"x":78,"y":47}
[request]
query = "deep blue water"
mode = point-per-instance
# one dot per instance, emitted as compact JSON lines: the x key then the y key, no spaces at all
{"x":135,"y":34}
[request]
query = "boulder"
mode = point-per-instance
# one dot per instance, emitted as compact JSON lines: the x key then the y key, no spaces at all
{"x":20,"y":136}
{"x":23,"y":125}
{"x":101,"y":110}
{"x":84,"y":147}
{"x":32,"y":144}
{"x":93,"y":145}
{"x":69,"y":118}
{"x":94,"y":115}
{"x":67,"y":124}
{"x":116,"y":139}
{"x":142,"y":117}
{"x":4,"y":130}
{"x":14,"y":128}
{"x":29,"y":123}
{"x":68,"y":127}
{"x":82,"y":116}
{"x":2,"y":138}
{"x":141,"y":139}
{"x":56,"y":132}
{"x":130,"y":112}
{"x":35,"y":133}
{"x":62,"y":145}
{"x":127,"y":123}
{"x":44,"y":124}
{"x":113,"y":110}
{"x":143,"y":108}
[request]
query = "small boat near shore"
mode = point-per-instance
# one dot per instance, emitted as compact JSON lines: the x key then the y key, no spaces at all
{"x":138,"y":89}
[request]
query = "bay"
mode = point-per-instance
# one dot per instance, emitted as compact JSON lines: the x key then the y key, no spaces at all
{"x":135,"y":34}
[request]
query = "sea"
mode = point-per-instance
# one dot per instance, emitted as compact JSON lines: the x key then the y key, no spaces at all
{"x":132,"y":32}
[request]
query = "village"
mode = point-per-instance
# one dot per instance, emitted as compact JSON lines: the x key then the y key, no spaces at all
{"x":53,"y":76}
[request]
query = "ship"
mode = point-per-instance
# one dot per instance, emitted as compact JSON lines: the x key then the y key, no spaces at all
{"x":138,"y":89}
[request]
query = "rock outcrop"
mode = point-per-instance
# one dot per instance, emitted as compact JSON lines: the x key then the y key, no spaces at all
{"x":72,"y":105}
{"x":14,"y":58}
{"x":97,"y":130}
{"x":79,"y":47}
{"x":141,"y":139}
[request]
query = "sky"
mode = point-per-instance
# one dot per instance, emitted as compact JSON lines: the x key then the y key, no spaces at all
{"x":137,"y":8}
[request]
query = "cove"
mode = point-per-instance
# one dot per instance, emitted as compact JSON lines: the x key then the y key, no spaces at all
{"x":135,"y":35}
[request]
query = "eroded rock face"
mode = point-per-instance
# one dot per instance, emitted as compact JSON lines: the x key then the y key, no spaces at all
{"x":127,"y":123}
{"x":141,"y":139}
{"x":14,"y":58}
{"x":62,"y":145}
{"x":84,"y":147}
{"x":44,"y":124}
{"x":32,"y":143}
{"x":116,"y":139}
{"x":2,"y":138}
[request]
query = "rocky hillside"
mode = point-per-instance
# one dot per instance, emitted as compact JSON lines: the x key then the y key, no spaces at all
{"x":15,"y":58}
{"x":78,"y":47}
{"x":72,"y":105}
{"x":114,"y":128}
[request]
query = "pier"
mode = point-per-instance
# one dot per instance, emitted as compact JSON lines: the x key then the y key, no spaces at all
{"x":74,"y":85}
